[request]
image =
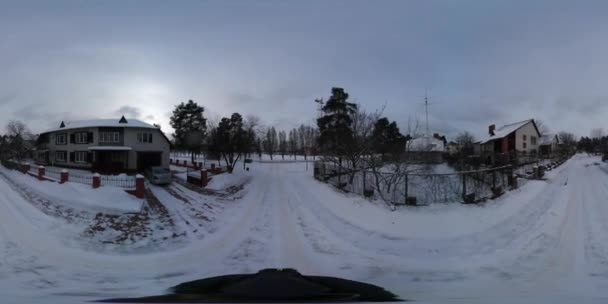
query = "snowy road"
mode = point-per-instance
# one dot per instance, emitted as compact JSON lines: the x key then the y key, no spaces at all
{"x":547,"y":241}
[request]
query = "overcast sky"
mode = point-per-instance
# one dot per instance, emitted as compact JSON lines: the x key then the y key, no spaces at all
{"x":481,"y":62}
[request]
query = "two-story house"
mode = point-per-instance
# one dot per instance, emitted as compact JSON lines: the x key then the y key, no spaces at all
{"x":522,"y":137}
{"x":104,"y":145}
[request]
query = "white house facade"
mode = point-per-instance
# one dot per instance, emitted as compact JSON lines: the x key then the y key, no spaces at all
{"x":104,"y":145}
{"x":522,"y":137}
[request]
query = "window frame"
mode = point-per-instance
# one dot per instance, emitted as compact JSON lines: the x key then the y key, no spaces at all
{"x":525,"y":146}
{"x":84,"y":138}
{"x":144,"y":137}
{"x":533,"y":140}
{"x":84,"y":158}
{"x":65,"y":156}
{"x":524,"y":137}
{"x":109,"y":137}
{"x":61,"y":135}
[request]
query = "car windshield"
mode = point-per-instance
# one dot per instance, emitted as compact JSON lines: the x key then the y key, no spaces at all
{"x":441,"y":151}
{"x":160,"y":170}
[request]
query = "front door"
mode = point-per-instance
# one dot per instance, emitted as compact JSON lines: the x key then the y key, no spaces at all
{"x":110,"y":161}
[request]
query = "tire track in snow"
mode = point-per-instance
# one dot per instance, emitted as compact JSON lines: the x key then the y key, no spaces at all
{"x":487,"y":242}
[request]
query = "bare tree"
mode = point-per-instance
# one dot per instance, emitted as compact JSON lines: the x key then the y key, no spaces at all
{"x":465,"y":141}
{"x":597,"y":133}
{"x":270,"y":142}
{"x":17,"y":128}
{"x":568,"y":140}
{"x":283,"y":146}
{"x":543,"y":129}
{"x":17,"y":135}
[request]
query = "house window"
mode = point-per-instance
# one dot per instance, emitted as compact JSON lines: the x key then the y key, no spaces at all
{"x":109,"y":137}
{"x":525,"y":137}
{"x":60,"y":156}
{"x":60,"y":139}
{"x":525,"y":146}
{"x":144,"y":138}
{"x":533,"y":140}
{"x":81,"y":138}
{"x":80,"y":156}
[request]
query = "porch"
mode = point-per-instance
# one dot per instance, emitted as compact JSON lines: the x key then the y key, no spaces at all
{"x":110,"y":160}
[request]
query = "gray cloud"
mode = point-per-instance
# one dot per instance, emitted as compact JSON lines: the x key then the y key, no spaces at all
{"x":481,"y":61}
{"x":128,"y":111}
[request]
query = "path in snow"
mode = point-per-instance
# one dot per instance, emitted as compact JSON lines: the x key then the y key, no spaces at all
{"x":544,"y":241}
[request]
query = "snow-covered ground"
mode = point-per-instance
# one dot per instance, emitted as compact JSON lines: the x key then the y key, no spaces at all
{"x":546,"y":242}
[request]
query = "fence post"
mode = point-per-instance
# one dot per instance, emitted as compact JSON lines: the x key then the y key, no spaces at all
{"x":406,"y":187}
{"x":65,"y":176}
{"x":204,"y":179}
{"x":464,"y":186}
{"x":140,"y":189}
{"x":41,"y":172}
{"x":493,"y":178}
{"x":364,"y":180}
{"x":96,"y":180}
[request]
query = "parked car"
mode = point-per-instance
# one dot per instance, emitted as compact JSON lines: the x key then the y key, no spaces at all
{"x":158,"y":175}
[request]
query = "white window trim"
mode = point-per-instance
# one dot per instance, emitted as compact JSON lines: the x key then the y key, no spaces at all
{"x":58,"y":159}
{"x":144,"y":138}
{"x":81,"y":138}
{"x":109,"y":137}
{"x":61,"y":142}
{"x":83,"y":159}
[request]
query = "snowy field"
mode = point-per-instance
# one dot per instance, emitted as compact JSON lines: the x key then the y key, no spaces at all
{"x":546,"y":242}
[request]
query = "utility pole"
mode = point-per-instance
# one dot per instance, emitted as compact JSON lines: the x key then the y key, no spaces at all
{"x":426,"y":109}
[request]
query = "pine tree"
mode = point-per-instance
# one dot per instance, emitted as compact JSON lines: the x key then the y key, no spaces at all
{"x":190,"y":126}
{"x":387,"y":139}
{"x":335,"y":126}
{"x":232,"y":140}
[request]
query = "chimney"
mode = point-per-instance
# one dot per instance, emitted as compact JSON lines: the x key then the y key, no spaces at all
{"x":491,"y":129}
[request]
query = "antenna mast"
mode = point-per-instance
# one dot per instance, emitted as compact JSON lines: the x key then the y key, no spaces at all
{"x":426,"y":109}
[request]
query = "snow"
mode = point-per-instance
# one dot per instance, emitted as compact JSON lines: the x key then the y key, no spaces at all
{"x":426,"y":144}
{"x":94,"y":123}
{"x":548,"y":139}
{"x":505,"y":130}
{"x":103,"y":199}
{"x":226,"y":180}
{"x":543,"y":243}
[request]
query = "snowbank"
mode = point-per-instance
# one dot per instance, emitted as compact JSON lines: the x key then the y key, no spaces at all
{"x":103,"y":199}
{"x":433,"y":221}
{"x":226,"y":180}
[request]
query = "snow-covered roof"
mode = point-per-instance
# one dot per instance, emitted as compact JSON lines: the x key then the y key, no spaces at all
{"x":426,"y":144}
{"x":94,"y":123}
{"x":505,"y":130}
{"x":548,"y":139}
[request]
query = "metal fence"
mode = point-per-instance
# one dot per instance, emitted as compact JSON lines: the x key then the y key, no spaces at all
{"x":122,"y":181}
{"x":469,"y":186}
{"x":53,"y":173}
{"x":80,"y":178}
